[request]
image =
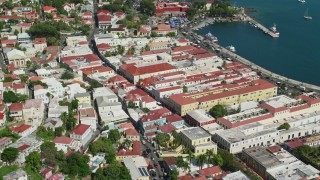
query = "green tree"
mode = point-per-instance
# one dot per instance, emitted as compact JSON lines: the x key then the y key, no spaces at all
{"x":16,"y":32}
{"x":229,"y":162}
{"x":174,"y":174}
{"x":201,"y":159}
{"x":49,"y":153}
{"x":285,"y":126}
{"x":131,"y":51}
{"x":191,"y":12}
{"x":117,"y":171}
{"x":8,"y":79}
{"x":185,"y":89}
{"x":171,"y":34}
{"x":147,"y":7}
{"x":76,"y":165}
{"x":105,"y":146}
{"x":190,"y":157}
{"x":9,"y":96}
{"x":67,"y":75}
{"x":24,"y":78}
{"x":9,"y":154}
{"x":58,"y":131}
{"x":33,"y":161}
{"x":131,"y":104}
{"x":46,"y":134}
{"x":114,"y":135}
{"x":154,"y":34}
{"x":218,"y":111}
{"x":163,"y":139}
{"x":74,"y":104}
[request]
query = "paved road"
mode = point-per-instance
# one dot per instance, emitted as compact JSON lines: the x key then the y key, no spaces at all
{"x":154,"y":158}
{"x":2,"y":61}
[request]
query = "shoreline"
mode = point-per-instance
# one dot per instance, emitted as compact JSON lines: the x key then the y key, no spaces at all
{"x":260,"y":70}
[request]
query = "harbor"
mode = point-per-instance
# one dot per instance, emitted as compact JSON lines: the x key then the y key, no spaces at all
{"x":262,"y":71}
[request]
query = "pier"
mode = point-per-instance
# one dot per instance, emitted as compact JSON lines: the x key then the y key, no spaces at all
{"x":261,"y":27}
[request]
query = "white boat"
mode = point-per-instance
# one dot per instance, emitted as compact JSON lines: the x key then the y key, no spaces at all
{"x":306,"y":15}
{"x":211,"y":37}
{"x":231,"y":48}
{"x":302,"y":1}
{"x":274,"y":29}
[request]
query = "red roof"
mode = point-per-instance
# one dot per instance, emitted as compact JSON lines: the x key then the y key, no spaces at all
{"x":103,"y":12}
{"x":131,"y":132}
{"x":104,"y":18}
{"x":23,"y":147}
{"x":211,"y":171}
{"x":88,"y":57}
{"x":40,"y":40}
{"x":80,"y":129}
{"x":136,"y":150}
{"x":155,"y":114}
{"x":126,"y":126}
{"x":274,"y":149}
{"x":14,"y":107}
{"x":63,"y":140}
{"x":294,"y":143}
{"x":155,"y":51}
{"x":134,"y":70}
{"x":45,"y":171}
{"x":174,"y":118}
{"x":183,"y":48}
{"x":49,"y":8}
{"x":97,"y":69}
{"x":21,"y":128}
{"x":103,"y":46}
{"x":167,"y":128}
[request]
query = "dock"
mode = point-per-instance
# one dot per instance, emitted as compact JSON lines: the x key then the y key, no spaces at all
{"x":261,"y":27}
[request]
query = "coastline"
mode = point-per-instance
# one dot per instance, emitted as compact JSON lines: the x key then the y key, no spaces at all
{"x":260,"y":70}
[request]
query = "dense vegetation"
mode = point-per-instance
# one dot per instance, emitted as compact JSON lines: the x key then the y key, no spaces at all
{"x":222,"y":8}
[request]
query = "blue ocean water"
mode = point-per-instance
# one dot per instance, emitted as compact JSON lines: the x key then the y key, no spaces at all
{"x":295,"y":54}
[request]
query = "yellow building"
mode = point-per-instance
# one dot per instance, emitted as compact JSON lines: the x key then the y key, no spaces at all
{"x":158,"y":45}
{"x":198,"y":140}
{"x":83,"y":98}
{"x":257,"y":90}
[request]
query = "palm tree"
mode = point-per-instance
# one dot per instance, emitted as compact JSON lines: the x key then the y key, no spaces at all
{"x":210,"y":155}
{"x":190,"y":157}
{"x":201,"y":159}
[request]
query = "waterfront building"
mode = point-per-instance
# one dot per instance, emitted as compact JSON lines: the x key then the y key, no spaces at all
{"x":256,"y":90}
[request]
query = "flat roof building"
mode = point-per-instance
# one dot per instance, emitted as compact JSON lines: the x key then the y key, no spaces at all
{"x":198,"y":140}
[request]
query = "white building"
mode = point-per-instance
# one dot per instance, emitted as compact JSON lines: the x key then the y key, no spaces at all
{"x":137,"y":167}
{"x":276,"y":163}
{"x":73,"y":89}
{"x":65,"y":144}
{"x":54,"y":87}
{"x":74,"y":40}
{"x":55,"y":110}
{"x":17,"y":58}
{"x":88,"y":116}
{"x":16,"y":175}
{"x":110,"y":110}
{"x":33,"y":112}
{"x":82,"y":133}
